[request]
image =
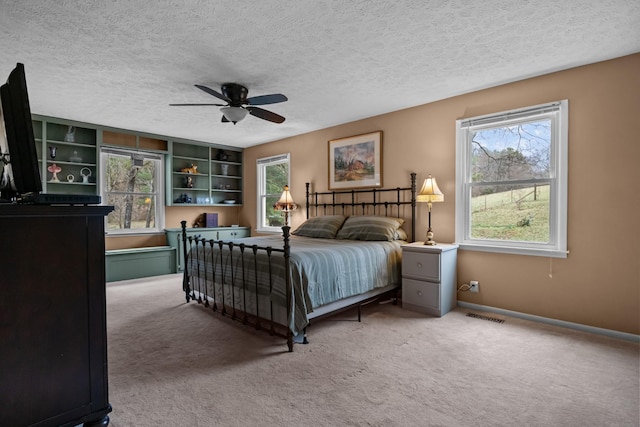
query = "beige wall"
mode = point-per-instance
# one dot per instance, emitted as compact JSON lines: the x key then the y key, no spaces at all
{"x":598,"y":284}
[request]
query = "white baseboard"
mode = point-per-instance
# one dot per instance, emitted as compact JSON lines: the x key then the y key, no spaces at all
{"x":585,"y":328}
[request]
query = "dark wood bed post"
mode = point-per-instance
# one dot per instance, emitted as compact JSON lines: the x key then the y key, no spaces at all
{"x":413,"y":206}
{"x":185,"y":276}
{"x":307,"y":184}
{"x":287,"y":279}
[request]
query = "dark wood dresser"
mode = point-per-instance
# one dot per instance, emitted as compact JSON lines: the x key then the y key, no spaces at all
{"x":53,"y":343}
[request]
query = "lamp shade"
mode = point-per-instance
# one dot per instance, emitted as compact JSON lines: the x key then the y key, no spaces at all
{"x":234,"y":114}
{"x":430,"y":191}
{"x":285,"y":203}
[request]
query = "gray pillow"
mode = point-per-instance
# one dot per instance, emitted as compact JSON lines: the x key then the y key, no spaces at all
{"x":370,"y":228}
{"x":323,"y":227}
{"x":401,"y":235}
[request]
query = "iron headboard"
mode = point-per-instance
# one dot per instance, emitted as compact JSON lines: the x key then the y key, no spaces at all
{"x":383,"y":201}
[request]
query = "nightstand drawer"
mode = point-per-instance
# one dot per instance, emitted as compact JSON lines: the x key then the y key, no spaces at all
{"x":421,"y":295}
{"x":421,"y":265}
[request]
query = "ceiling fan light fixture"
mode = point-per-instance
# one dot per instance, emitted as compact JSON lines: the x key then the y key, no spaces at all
{"x":234,"y":114}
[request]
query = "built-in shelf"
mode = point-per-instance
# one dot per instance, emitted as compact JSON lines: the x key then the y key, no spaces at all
{"x":74,"y":148}
{"x":73,"y":151}
{"x":199,"y":174}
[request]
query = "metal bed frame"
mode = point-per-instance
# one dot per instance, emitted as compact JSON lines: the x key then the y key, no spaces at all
{"x":380,"y":201}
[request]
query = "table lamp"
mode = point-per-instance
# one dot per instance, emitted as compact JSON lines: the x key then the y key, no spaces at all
{"x":430,"y":193}
{"x":285,"y":204}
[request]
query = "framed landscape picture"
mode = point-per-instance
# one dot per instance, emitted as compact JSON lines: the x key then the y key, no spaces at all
{"x":356,"y":161}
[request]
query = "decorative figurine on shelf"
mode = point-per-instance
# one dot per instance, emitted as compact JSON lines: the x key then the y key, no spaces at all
{"x":222,"y":156}
{"x":224,"y":169}
{"x":75,"y":158}
{"x":199,"y":221}
{"x":86,"y":173}
{"x":70,"y":136}
{"x":55,"y":170}
{"x":183,"y":198}
{"x":189,"y":181}
{"x":193,"y":169}
{"x":71,"y":178}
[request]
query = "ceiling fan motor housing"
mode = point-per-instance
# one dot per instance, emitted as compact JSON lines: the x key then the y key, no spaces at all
{"x":236,"y":93}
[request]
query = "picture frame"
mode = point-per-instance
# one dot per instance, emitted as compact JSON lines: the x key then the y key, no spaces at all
{"x":356,"y":161}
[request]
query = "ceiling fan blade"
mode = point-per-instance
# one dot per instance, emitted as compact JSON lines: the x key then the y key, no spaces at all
{"x":183,"y":105}
{"x":267,"y":99}
{"x":266,"y":115}
{"x":213,"y":92}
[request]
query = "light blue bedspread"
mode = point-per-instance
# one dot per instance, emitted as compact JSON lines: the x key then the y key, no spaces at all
{"x":322,"y":270}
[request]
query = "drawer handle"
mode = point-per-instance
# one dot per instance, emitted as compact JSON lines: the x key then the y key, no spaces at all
{"x":419,"y":265}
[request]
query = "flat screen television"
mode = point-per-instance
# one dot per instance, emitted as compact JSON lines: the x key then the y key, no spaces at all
{"x":21,"y":173}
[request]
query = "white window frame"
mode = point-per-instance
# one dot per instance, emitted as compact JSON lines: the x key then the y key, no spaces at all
{"x":558,"y":113}
{"x":159,"y":192}
{"x":261,"y":186}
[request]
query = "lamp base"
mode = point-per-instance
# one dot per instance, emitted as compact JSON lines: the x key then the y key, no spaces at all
{"x":430,"y":241}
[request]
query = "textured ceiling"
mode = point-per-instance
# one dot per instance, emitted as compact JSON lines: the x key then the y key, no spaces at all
{"x":120,"y":63}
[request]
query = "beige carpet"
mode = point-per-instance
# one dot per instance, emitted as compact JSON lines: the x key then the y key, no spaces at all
{"x":178,"y":364}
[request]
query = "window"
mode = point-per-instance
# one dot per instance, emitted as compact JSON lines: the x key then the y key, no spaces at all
{"x":511,"y":181}
{"x":273,"y":175}
{"x":132,"y":183}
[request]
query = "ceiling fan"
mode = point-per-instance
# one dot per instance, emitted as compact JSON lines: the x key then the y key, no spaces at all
{"x":238,"y":105}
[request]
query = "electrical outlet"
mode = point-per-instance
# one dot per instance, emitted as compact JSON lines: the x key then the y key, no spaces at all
{"x":474,"y":286}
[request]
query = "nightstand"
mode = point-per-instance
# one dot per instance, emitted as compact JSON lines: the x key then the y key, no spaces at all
{"x":429,"y":277}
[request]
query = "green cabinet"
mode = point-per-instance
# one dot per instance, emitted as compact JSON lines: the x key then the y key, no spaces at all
{"x":174,"y":237}
{"x":133,"y":263}
{"x":204,"y":175}
{"x":230,"y":233}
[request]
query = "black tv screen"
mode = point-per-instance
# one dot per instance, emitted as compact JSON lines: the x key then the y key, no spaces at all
{"x":21,"y":176}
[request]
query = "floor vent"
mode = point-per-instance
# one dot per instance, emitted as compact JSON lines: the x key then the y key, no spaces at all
{"x":480,"y":316}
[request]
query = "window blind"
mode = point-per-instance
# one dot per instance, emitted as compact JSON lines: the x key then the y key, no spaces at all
{"x":129,"y":153}
{"x":510,"y":115}
{"x":273,"y":159}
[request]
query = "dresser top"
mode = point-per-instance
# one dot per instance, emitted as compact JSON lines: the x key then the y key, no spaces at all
{"x":28,"y":210}
{"x":437,"y":248}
